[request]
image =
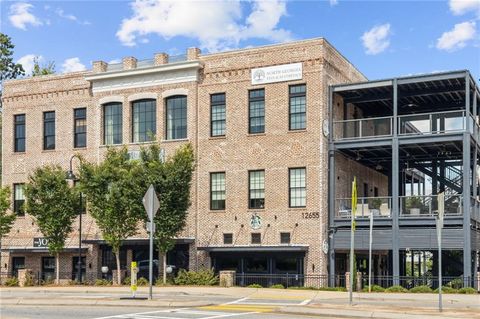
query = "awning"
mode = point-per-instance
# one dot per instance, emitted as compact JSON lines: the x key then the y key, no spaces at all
{"x":136,"y":241}
{"x":290,"y":248}
{"x":41,"y":250}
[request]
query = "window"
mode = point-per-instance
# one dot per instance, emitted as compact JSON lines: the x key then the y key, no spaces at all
{"x":176,"y":126}
{"x":297,"y":189}
{"x":19,"y":123}
{"x":256,"y":111}
{"x":112,"y":123}
{"x":48,"y":130}
{"x":75,"y":274}
{"x":256,"y":187}
{"x":218,"y":114}
{"x":18,"y":199}
{"x":256,"y":238}
{"x":217,"y":191}
{"x":144,"y":120}
{"x":228,"y":239}
{"x":297,"y":118}
{"x":284,"y":238}
{"x":80,"y":123}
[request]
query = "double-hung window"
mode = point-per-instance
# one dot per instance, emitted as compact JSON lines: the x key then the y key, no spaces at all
{"x":19,"y":132}
{"x":256,"y":111}
{"x":218,"y":114}
{"x":256,"y":185}
{"x":80,"y":127}
{"x":18,"y":199}
{"x":297,"y":187}
{"x":144,"y":121}
{"x":298,"y":107}
{"x":217,"y":191}
{"x":112,"y":123}
{"x":49,"y":130}
{"x":176,"y":119}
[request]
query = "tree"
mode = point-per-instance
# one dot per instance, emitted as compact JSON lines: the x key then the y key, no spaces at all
{"x":172,"y":180}
{"x":46,"y":69}
{"x":8,"y":68}
{"x":6,"y":219}
{"x":114,"y":193}
{"x":54,"y":205}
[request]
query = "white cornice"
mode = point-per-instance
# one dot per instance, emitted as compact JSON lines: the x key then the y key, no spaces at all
{"x":144,"y":71}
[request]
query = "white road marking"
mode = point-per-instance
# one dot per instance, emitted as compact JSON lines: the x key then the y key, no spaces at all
{"x":177,"y":314}
{"x":305,"y":302}
{"x":235,"y":301}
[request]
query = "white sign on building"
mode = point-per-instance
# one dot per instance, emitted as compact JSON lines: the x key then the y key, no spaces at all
{"x":278,"y":73}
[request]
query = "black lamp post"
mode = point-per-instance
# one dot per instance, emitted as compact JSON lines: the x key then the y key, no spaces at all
{"x":71,"y":176}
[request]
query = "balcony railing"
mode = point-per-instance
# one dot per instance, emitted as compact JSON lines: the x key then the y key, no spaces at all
{"x":411,"y":124}
{"x":361,"y":128}
{"x":427,"y":206}
{"x":377,"y":206}
{"x":475,"y":209}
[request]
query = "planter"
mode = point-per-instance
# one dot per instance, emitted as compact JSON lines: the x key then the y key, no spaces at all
{"x":414,"y":211}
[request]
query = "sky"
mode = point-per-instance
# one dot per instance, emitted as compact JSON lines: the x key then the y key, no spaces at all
{"x":381,"y":38}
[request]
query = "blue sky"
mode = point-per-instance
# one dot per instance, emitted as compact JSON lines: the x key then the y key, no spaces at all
{"x":381,"y":38}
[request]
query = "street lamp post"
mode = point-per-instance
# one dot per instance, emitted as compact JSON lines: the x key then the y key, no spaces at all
{"x":71,"y":176}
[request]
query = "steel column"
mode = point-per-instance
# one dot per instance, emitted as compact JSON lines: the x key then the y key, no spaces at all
{"x":467,"y":251}
{"x":331,"y":193}
{"x":395,"y":188}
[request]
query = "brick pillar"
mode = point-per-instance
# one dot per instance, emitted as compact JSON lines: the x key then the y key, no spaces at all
{"x":129,"y":63}
{"x":99,"y":66}
{"x":161,"y":58}
{"x":227,"y":278}
{"x":193,"y":53}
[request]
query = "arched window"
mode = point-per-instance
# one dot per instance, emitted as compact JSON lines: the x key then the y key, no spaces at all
{"x":176,"y":117}
{"x":144,"y":120}
{"x":112,"y":123}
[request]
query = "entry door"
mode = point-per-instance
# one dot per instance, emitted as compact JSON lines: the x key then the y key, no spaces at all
{"x":75,"y":268}
{"x":48,"y":268}
{"x":17,"y":263}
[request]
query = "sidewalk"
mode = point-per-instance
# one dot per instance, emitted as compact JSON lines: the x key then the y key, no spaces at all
{"x":300,"y":302}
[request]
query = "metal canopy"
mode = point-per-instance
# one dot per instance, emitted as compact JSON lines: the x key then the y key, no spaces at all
{"x":298,"y":248}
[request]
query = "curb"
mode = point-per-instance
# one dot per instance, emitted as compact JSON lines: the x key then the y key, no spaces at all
{"x":105,"y":303}
{"x":346,"y":313}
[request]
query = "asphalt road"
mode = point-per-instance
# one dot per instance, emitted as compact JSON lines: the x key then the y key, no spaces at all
{"x":100,"y":312}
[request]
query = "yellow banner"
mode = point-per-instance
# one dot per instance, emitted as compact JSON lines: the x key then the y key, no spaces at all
{"x":354,"y":201}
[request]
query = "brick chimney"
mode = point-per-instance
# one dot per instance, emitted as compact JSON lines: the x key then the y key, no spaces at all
{"x":161,"y":58}
{"x":99,"y":66}
{"x":193,"y":53}
{"x":129,"y":63}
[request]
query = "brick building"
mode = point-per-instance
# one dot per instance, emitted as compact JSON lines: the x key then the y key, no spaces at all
{"x":256,"y":119}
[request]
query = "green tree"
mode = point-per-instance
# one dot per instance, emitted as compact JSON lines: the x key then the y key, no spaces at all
{"x":172,"y":180}
{"x":114,"y":192}
{"x":8,"y":68}
{"x":6,"y":219}
{"x":46,"y":69}
{"x":54,"y":205}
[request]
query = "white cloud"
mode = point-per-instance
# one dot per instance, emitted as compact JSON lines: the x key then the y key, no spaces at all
{"x":72,"y":65}
{"x":216,"y":24}
{"x":20,"y":16}
{"x":376,"y":40}
{"x":459,"y":7}
{"x":70,"y":17}
{"x":27,"y":61}
{"x":458,"y":37}
{"x":333,"y":3}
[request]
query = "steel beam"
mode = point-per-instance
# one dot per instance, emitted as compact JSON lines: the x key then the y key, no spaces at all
{"x":467,"y":251}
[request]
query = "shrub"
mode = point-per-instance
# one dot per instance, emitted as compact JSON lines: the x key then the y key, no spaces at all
{"x":456,"y":283}
{"x":142,"y":281}
{"x":277,"y":286}
{"x":11,"y":282}
{"x":467,"y":290}
{"x":375,"y":288}
{"x":127,"y":280}
{"x":421,"y":290}
{"x":447,"y":290}
{"x":47,"y":282}
{"x":29,"y":281}
{"x":254,"y":286}
{"x":394,"y":289}
{"x":102,"y":282}
{"x":203,"y":277}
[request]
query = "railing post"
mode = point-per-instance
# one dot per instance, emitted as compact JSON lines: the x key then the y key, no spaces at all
{"x":360,"y":122}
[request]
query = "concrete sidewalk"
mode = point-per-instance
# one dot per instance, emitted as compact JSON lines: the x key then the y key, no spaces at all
{"x":309,"y":302}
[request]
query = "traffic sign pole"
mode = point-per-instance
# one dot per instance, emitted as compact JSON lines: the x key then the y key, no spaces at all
{"x":151,"y":204}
